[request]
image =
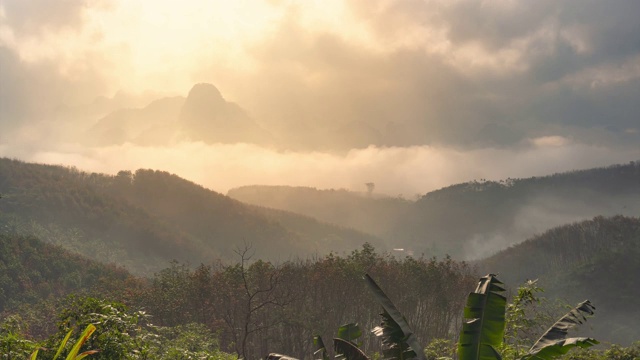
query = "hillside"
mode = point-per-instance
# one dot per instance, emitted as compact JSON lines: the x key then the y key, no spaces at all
{"x":144,"y":220}
{"x":475,"y":219}
{"x":32,"y":270}
{"x":220,"y":221}
{"x":598,"y":259}
{"x":468,"y":220}
{"x":372,"y":214}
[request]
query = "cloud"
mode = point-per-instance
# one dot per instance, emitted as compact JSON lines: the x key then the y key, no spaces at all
{"x":472,"y":74}
{"x":37,"y":16}
{"x":394,"y":170}
{"x":462,"y":74}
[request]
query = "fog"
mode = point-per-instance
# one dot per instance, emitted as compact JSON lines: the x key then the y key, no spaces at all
{"x":544,"y":212}
{"x":394,"y":170}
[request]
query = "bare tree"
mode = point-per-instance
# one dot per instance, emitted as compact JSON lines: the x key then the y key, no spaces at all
{"x":254,"y":303}
{"x":370,"y":187}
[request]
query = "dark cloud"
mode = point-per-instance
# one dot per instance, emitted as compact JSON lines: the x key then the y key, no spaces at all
{"x":326,"y":81}
{"x":25,"y":89}
{"x":37,"y":92}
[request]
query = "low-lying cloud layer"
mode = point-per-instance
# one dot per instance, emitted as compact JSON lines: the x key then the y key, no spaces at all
{"x":396,"y":170}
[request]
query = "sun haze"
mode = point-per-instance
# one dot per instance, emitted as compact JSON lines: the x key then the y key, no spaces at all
{"x":389,"y":91}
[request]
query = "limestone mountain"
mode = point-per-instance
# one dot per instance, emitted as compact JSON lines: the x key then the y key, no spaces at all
{"x":155,"y":124}
{"x":207,"y":116}
{"x":204,"y":115}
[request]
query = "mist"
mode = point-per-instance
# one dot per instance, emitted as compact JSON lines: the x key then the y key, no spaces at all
{"x":544,"y":212}
{"x":396,"y":171}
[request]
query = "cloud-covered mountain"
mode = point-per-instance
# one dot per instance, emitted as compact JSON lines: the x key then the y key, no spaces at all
{"x":207,"y":116}
{"x":204,"y":115}
{"x":155,"y":124}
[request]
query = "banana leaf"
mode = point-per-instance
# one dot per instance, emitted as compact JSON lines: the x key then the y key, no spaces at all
{"x":554,"y":341}
{"x":393,"y":339}
{"x":483,"y":331}
{"x":83,"y":338}
{"x":349,"y":332}
{"x":347,"y":350}
{"x":62,"y":344}
{"x":274,"y":356}
{"x":319,"y":350}
{"x":395,"y":331}
{"x":85,"y":354}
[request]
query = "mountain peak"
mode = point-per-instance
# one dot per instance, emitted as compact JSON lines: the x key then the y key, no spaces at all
{"x":205,"y":92}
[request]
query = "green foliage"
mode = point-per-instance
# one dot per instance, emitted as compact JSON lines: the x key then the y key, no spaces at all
{"x":120,"y":329}
{"x":483,"y":331}
{"x":319,"y":349}
{"x":480,"y":341}
{"x":121,"y":334}
{"x":31,"y":270}
{"x":349,"y":332}
{"x":554,"y":341}
{"x":523,"y":321}
{"x":13,"y":344}
{"x":74,"y":352}
{"x":614,"y":352}
{"x":185,"y":342}
{"x":440,"y":349}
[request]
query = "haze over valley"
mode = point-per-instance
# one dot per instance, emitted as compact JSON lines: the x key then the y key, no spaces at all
{"x":233,"y":169}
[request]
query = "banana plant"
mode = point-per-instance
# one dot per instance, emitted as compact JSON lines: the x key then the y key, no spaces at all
{"x":344,"y":346}
{"x":319,"y":350}
{"x":483,"y":331}
{"x":73,"y":354}
{"x":554,"y":341}
{"x":397,"y":336}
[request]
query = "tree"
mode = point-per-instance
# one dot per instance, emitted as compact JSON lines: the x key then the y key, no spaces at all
{"x":252,"y":299}
{"x":370,"y":187}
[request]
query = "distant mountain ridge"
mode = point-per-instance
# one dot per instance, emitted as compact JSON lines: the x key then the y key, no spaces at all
{"x":147,"y":218}
{"x":475,"y":219}
{"x":372,"y":213}
{"x":468,"y":220}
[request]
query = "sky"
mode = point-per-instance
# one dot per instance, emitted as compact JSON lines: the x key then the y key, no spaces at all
{"x":411,"y":95}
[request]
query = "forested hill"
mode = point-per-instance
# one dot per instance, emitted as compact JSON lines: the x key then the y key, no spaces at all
{"x":145,"y":219}
{"x":598,"y":259}
{"x":475,"y":219}
{"x":369,"y":213}
{"x":469,"y":220}
{"x":32,"y":270}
